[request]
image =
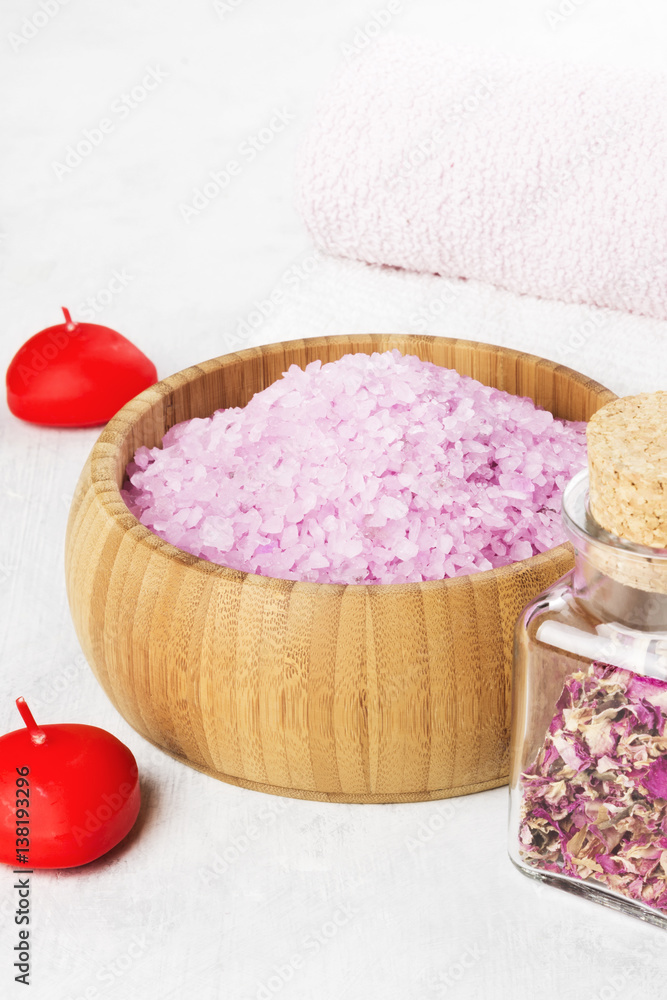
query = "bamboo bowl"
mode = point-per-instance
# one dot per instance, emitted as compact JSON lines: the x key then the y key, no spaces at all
{"x":360,"y":693}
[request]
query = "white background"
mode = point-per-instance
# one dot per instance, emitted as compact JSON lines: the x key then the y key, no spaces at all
{"x":422,"y":897}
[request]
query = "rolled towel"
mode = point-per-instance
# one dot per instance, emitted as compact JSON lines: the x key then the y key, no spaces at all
{"x":543,"y":178}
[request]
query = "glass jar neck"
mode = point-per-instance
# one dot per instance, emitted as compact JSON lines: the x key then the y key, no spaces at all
{"x":614,"y":601}
{"x":619,"y":582}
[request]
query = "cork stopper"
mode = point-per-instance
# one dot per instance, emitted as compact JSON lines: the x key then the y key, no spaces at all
{"x":627,"y":465}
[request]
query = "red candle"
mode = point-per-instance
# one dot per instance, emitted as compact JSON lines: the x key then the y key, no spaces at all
{"x":68,"y":794}
{"x":75,"y":375}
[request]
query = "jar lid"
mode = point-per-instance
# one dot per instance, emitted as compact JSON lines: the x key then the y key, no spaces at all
{"x":627,"y":463}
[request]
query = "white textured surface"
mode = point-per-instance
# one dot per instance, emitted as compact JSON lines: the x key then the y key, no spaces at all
{"x":416,"y":918}
{"x":524,"y":163}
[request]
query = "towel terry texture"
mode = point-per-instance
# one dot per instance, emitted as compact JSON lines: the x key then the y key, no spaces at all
{"x":540,"y":178}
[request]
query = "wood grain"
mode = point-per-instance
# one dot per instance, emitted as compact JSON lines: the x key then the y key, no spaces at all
{"x":361,"y":693}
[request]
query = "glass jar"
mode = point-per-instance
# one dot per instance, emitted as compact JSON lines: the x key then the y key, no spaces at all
{"x":588,"y":782}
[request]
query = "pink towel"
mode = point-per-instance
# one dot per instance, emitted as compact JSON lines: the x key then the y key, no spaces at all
{"x":545,"y":178}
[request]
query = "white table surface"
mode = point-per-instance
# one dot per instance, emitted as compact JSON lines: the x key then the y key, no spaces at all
{"x":315,"y":901}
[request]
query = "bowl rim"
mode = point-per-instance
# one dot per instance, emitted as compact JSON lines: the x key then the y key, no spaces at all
{"x":102,"y":463}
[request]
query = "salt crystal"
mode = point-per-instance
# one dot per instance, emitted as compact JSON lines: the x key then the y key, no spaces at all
{"x":392,"y":508}
{"x":365,"y":470}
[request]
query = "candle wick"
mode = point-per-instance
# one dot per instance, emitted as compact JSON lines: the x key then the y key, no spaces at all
{"x":71,"y":325}
{"x":37,"y":735}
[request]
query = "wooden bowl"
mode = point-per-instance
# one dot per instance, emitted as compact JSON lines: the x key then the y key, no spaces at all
{"x":360,"y":693}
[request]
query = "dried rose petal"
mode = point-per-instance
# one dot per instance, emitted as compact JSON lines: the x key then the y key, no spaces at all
{"x":655,"y":781}
{"x":594,"y":802}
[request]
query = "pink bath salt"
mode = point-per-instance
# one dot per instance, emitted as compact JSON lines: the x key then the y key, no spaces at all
{"x":370,"y":469}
